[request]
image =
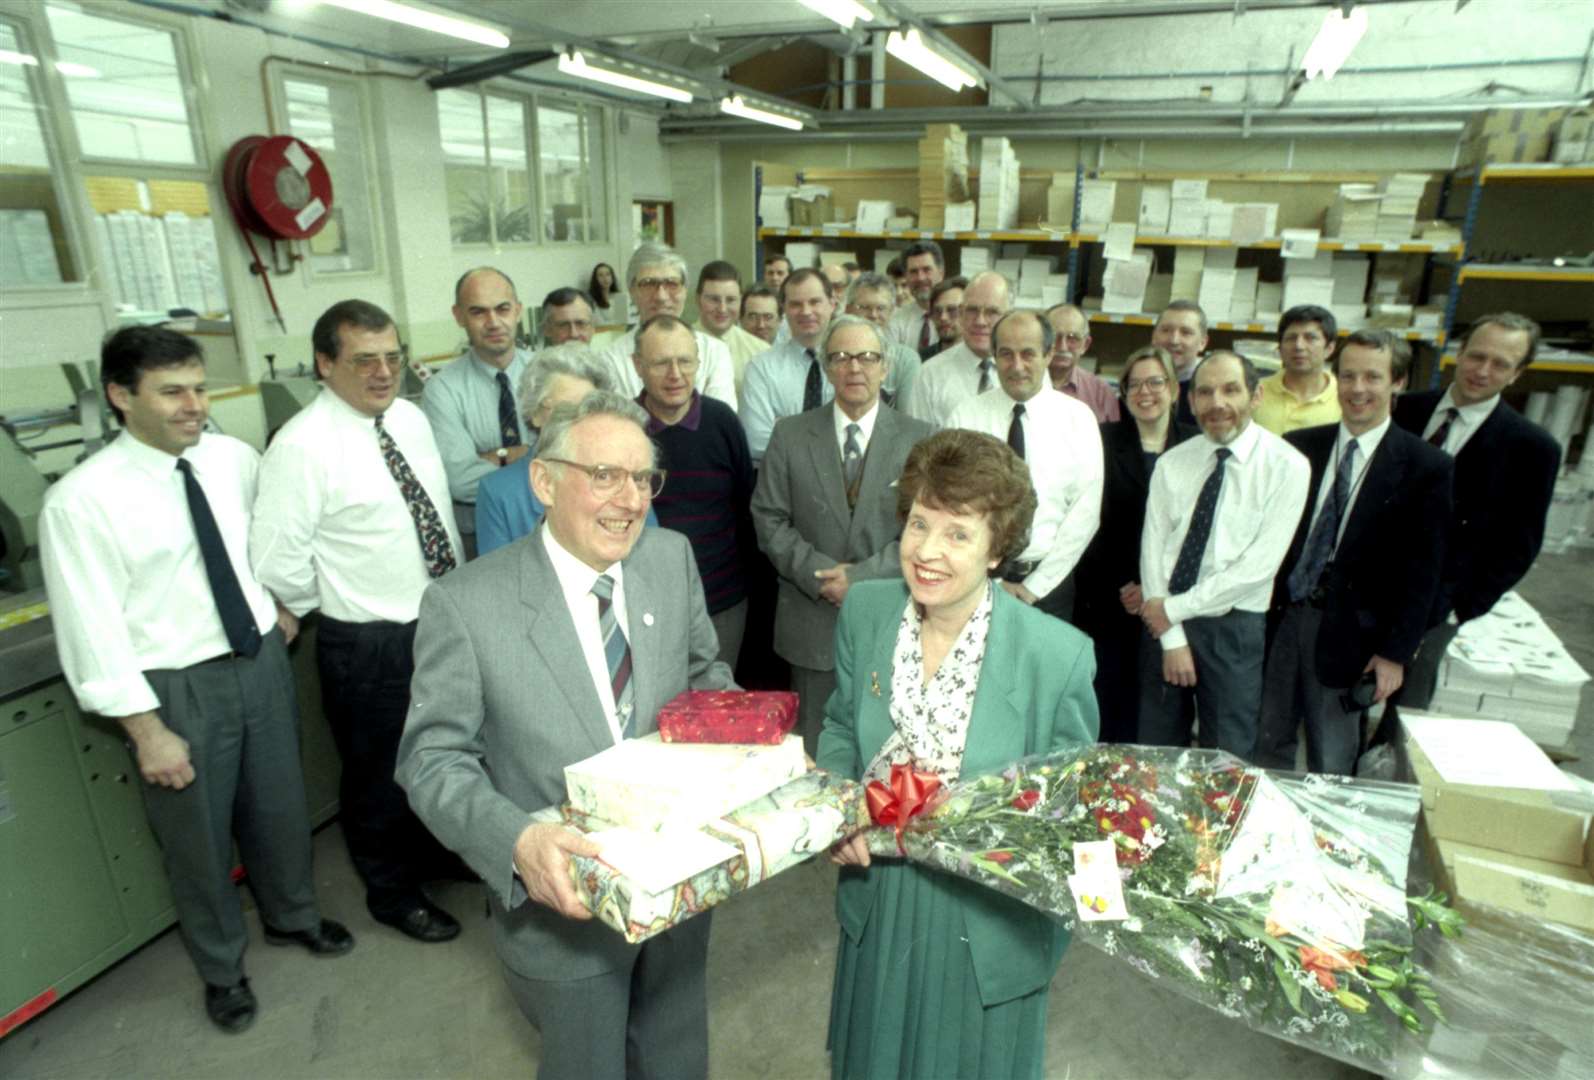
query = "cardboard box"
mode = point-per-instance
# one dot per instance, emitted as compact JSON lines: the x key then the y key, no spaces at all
{"x":1520,"y":822}
{"x":1551,"y":891}
{"x":1509,"y":135}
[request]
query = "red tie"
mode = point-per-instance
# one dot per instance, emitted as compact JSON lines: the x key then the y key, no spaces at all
{"x":924,"y":333}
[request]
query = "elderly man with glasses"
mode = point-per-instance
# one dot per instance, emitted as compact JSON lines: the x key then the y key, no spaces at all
{"x":1070,"y":343}
{"x":966,"y":369}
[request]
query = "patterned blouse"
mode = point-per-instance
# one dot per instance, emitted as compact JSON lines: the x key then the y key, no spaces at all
{"x":932,"y":718}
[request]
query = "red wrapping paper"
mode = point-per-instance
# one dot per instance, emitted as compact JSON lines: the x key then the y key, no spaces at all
{"x":728,"y":716}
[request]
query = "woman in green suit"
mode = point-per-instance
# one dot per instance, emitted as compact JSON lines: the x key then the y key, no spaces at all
{"x":936,"y":976}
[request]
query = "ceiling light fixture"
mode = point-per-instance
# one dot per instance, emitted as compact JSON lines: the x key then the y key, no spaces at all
{"x":425,"y":19}
{"x":911,"y":49}
{"x":842,"y":12}
{"x":1334,"y":41}
{"x":735,"y":106}
{"x":574,"y":63}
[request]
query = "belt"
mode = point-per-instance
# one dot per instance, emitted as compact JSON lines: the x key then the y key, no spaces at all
{"x":1016,"y":572}
{"x":232,"y":654}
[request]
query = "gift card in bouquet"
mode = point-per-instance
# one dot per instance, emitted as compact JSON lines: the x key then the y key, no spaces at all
{"x":1097,"y":888}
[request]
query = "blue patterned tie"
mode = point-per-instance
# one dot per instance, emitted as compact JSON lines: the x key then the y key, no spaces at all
{"x":813,"y":393}
{"x":1200,"y":531}
{"x":617,"y":651}
{"x":1325,"y":532}
{"x":508,"y":421}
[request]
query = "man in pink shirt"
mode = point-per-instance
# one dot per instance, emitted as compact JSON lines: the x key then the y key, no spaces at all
{"x":1071,"y":342}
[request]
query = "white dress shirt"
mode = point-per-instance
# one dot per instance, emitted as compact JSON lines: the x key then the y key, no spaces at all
{"x":126,"y":581}
{"x":716,"y":371}
{"x":1259,"y":507}
{"x":946,"y":380}
{"x":1469,"y":418}
{"x":907,"y":322}
{"x":331,"y":529}
{"x":865,"y":428}
{"x":1062,"y":446}
{"x":576,"y":579}
{"x":1366,"y":446}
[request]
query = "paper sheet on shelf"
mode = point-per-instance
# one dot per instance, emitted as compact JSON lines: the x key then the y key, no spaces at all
{"x":1491,"y":753}
{"x":1299,"y":243}
{"x":1119,"y":240}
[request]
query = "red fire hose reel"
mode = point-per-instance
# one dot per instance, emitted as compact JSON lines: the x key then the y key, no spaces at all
{"x":277,"y":186}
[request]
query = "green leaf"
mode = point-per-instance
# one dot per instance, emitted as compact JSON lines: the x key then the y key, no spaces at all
{"x":1292,"y":989}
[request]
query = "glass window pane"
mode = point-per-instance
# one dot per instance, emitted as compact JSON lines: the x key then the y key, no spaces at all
{"x":459,"y":125}
{"x":572,"y":207}
{"x":124,"y":86}
{"x":511,"y":175}
{"x":159,"y":237}
{"x":33,"y":237}
{"x":327,"y":116}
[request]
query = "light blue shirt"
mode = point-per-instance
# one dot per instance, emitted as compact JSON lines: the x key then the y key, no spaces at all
{"x":772,"y":388}
{"x":461,"y":402}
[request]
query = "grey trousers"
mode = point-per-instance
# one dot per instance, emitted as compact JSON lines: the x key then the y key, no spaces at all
{"x":241,"y":721}
{"x":1293,"y":696}
{"x":814,"y":688}
{"x":645,"y":1022}
{"x":1227,"y":696}
{"x":729,"y":626}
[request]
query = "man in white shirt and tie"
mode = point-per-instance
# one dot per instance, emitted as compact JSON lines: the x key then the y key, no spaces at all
{"x":789,"y":378}
{"x":1219,"y":518}
{"x":656,"y":278}
{"x":529,"y":659}
{"x":1058,"y":438}
{"x":923,"y":267}
{"x":353,"y":519}
{"x":162,"y":627}
{"x":951,"y":377}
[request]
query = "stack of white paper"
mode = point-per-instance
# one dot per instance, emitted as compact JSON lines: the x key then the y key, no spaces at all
{"x":1350,"y":278}
{"x":1389,"y":316}
{"x":1189,"y":189}
{"x":1217,"y":293}
{"x":1014,"y":250}
{"x":1254,"y":221}
{"x":872,"y":214}
{"x":1188,"y":262}
{"x":1242,"y":304}
{"x":774,"y":206}
{"x":1428,"y":318}
{"x":1124,"y":283}
{"x":1095,"y":204}
{"x":1155,"y":204}
{"x":1033,"y":274}
{"x":974,"y":259}
{"x":1309,"y":281}
{"x":1354,"y":212}
{"x":1010,"y":269}
{"x":1159,"y":292}
{"x":960,"y":217}
{"x":1054,"y":290}
{"x":1397,"y":210}
{"x":1221,"y":258}
{"x":1220,"y":219}
{"x":998,"y":199}
{"x":1269,"y":302}
{"x":1187,"y":217}
{"x":802,"y":253}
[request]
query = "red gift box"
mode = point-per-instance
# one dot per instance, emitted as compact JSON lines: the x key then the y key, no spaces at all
{"x":728,"y":716}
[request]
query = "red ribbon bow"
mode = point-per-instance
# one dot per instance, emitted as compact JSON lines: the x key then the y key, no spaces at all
{"x":907,"y":797}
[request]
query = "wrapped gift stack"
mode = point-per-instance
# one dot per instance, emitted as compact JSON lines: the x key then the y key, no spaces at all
{"x":1508,"y":665}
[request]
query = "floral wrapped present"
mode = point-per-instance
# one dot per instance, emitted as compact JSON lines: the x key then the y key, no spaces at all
{"x":1273,"y":899}
{"x":670,"y":884}
{"x":728,"y":716}
{"x":649,"y":784}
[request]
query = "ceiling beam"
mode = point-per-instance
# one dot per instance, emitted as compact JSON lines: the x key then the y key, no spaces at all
{"x":908,"y":17}
{"x":488,"y":69}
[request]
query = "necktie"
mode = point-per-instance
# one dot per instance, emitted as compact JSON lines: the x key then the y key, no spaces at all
{"x":1321,"y":540}
{"x":1015,"y":431}
{"x":852,"y":461}
{"x":985,"y":376}
{"x":1195,"y":540}
{"x":924,"y":333}
{"x":616,"y":650}
{"x":435,"y":546}
{"x":1439,"y":436}
{"x":508,"y":422}
{"x":811,"y":387}
{"x":237,"y":620}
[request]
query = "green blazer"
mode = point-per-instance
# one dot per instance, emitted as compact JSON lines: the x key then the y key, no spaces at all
{"x":1034,"y":696}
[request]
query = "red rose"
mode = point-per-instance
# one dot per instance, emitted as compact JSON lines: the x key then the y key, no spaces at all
{"x":1026,"y":800}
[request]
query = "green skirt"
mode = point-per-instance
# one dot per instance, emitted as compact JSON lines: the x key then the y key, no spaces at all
{"x":905,"y":1002}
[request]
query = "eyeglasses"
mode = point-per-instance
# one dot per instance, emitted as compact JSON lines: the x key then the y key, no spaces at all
{"x":367,"y":365}
{"x":989,"y":314}
{"x":608,"y":479}
{"x":872,"y":311}
{"x":683,"y":364}
{"x":656,"y":284}
{"x":1156,"y":384}
{"x":864,"y":359}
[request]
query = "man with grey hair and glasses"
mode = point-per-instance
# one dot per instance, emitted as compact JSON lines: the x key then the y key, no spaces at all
{"x":524,"y":665}
{"x":656,"y":279}
{"x":872,"y":296}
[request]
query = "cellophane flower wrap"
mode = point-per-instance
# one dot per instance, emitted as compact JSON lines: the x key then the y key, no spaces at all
{"x":1274,"y":899}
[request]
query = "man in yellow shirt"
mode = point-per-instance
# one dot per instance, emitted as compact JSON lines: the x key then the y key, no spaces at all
{"x":1303,"y":393}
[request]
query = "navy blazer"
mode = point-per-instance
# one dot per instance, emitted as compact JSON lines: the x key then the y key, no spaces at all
{"x":1380,"y":585}
{"x":1504,"y":480}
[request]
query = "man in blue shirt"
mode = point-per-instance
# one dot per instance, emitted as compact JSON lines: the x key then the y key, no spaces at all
{"x":789,"y":378}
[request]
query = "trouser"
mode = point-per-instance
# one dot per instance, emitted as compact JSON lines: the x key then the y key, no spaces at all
{"x":814,"y":688}
{"x":241,"y":721}
{"x":648,"y":1021}
{"x":729,"y":626}
{"x":1292,"y":695}
{"x":1422,"y":674}
{"x":1227,"y":696}
{"x":365,"y":689}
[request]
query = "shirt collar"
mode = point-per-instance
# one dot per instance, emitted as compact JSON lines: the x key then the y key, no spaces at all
{"x":865,"y":422}
{"x":341,"y":408}
{"x":490,"y":371}
{"x":158,"y":463}
{"x":1329,"y":390}
{"x":575,"y":577}
{"x":693,"y":417}
{"x":1476,"y":413}
{"x":1367,"y":442}
{"x":1243,"y":446}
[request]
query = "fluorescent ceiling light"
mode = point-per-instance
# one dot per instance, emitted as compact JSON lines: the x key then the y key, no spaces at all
{"x":911,"y":49}
{"x":1334,"y":41}
{"x":19,"y":58}
{"x":425,"y":19}
{"x":735,"y":106}
{"x":844,"y":12}
{"x":573,"y":63}
{"x":65,"y":67}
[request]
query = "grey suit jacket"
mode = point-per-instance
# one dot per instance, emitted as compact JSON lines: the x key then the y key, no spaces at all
{"x":800,"y":512}
{"x":502,"y":701}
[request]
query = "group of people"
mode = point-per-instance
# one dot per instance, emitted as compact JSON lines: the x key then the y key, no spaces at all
{"x":979,"y":550}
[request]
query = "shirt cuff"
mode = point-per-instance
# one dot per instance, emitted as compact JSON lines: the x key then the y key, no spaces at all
{"x":1176,"y":608}
{"x":1173,"y":638}
{"x":115,"y":698}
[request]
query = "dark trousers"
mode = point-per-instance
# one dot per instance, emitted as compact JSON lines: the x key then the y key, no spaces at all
{"x":647,"y":1021}
{"x":1227,"y":696}
{"x":1422,"y":675}
{"x":365,"y":689}
{"x":1116,"y":635}
{"x":241,"y":722}
{"x":1293,"y":696}
{"x":813,"y":688}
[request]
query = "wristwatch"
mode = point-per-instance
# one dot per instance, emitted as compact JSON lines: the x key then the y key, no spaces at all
{"x":503,"y":456}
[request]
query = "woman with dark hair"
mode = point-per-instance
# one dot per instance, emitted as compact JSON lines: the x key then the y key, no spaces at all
{"x":604,"y":288}
{"x":949,"y":673}
{"x":1107,"y":604}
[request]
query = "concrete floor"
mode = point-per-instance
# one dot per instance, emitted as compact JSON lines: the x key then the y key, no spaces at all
{"x":396,"y":1009}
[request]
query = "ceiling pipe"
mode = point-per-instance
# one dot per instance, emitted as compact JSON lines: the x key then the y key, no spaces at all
{"x":1385,"y":129}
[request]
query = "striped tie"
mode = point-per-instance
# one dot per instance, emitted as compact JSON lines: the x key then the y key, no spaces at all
{"x":617,"y":651}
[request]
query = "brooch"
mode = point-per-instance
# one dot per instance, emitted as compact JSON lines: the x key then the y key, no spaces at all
{"x":874,"y":683}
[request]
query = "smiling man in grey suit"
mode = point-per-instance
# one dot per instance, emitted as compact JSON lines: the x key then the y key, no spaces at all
{"x":535,"y":656}
{"x":826,"y":507}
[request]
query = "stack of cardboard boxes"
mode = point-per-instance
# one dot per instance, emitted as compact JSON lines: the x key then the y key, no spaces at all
{"x":1500,"y":136}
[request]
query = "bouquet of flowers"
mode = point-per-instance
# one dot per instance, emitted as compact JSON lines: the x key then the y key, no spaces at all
{"x":1274,"y":899}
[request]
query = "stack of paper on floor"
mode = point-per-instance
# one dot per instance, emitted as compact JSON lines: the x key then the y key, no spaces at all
{"x":774,"y":207}
{"x":1095,"y":204}
{"x":1397,"y":210}
{"x":998,"y":183}
{"x":1354,"y":212}
{"x":943,"y":173}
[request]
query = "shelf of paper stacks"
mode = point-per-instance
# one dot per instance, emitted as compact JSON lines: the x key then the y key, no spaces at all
{"x":998,"y":186}
{"x":943,"y":172}
{"x":1509,"y":665}
{"x":774,"y":205}
{"x":1561,"y":412}
{"x":810,"y":204}
{"x":1505,"y":828}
